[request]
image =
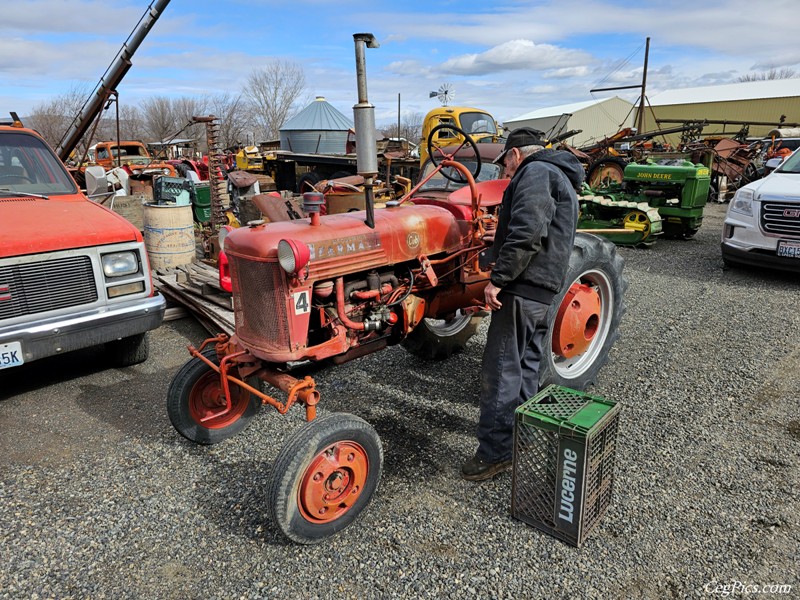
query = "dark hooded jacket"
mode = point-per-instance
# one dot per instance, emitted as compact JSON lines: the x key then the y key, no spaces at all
{"x":536,"y":225}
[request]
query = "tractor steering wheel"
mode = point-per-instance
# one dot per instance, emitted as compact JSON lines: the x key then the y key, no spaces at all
{"x":15,"y":176}
{"x":433,"y":149}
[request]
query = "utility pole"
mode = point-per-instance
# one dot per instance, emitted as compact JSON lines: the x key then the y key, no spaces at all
{"x":642,"y":86}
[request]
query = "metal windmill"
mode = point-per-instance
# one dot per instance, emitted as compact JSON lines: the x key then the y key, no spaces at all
{"x":445,"y":94}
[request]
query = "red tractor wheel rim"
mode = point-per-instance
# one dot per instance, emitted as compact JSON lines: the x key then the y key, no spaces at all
{"x":577,"y":321}
{"x":207,"y":398}
{"x":333,"y":482}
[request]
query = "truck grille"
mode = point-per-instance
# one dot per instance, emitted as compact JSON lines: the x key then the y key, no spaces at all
{"x":259,"y":304}
{"x":780,"y":218}
{"x":38,"y":287}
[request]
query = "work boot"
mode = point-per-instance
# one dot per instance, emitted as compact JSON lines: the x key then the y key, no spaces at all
{"x":477,"y":469}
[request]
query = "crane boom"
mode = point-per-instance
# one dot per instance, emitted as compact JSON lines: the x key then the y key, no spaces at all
{"x":109,"y":81}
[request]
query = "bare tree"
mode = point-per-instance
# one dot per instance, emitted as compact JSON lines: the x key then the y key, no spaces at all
{"x":410,"y":128}
{"x":231,"y":110}
{"x":131,"y":125}
{"x":773,"y":73}
{"x":52,"y":118}
{"x":158,"y":117}
{"x":183,"y":109}
{"x":272,"y":92}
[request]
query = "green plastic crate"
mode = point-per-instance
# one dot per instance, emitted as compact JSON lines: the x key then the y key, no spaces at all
{"x":202,"y":203}
{"x":564,"y":456}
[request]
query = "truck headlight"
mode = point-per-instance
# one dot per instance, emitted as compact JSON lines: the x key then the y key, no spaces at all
{"x":742,"y":202}
{"x":293,"y":255}
{"x":118,"y":264}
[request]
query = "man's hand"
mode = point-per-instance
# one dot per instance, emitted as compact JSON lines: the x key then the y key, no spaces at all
{"x":488,"y":237}
{"x":490,"y":293}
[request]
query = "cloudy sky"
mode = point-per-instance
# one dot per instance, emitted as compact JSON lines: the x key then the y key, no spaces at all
{"x":509,"y":57}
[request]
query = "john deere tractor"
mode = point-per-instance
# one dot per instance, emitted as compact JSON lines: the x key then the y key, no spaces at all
{"x":666,"y":198}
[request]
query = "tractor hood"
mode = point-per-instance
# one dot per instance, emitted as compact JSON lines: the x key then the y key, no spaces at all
{"x":343,"y":243}
{"x":33,"y":225}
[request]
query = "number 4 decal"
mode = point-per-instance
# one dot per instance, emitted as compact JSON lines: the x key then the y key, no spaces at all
{"x":301,"y":304}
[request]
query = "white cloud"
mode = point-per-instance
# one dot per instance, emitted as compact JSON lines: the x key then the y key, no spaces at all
{"x":567,"y":73}
{"x":515,"y":55}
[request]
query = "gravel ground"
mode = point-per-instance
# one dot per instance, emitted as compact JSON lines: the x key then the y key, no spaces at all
{"x":101,"y":498}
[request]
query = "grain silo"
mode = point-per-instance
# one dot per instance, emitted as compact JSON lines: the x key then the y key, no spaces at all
{"x":317,"y":129}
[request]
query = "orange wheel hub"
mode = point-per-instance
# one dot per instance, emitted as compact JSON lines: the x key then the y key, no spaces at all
{"x":207,"y":398}
{"x":577,"y":321}
{"x":333,"y":482}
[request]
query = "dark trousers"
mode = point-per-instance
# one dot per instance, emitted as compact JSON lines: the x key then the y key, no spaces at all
{"x":510,"y":371}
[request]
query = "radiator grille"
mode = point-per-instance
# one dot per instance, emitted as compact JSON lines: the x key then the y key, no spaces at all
{"x":38,"y":287}
{"x":259,"y":304}
{"x":780,"y":218}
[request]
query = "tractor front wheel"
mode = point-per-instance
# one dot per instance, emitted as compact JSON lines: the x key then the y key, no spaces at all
{"x":324,"y":477}
{"x":437,"y":339}
{"x":584,"y":318}
{"x":195,"y":395}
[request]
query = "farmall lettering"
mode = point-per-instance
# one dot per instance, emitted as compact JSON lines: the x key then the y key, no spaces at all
{"x":343,"y":246}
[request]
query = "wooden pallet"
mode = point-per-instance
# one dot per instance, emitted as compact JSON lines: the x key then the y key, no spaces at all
{"x":196,"y":288}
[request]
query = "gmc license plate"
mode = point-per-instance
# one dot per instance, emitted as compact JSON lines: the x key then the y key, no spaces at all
{"x":788,"y":249}
{"x":11,"y":355}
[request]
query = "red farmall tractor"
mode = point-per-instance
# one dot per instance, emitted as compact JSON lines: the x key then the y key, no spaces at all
{"x":336,"y":287}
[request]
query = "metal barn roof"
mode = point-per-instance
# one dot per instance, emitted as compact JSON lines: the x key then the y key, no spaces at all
{"x":747,"y":90}
{"x":555,"y":111}
{"x":320,"y":115}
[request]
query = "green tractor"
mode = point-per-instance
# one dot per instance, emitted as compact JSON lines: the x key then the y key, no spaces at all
{"x":665,"y":198}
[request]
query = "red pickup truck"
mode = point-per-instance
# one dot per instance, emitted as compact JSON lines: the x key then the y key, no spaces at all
{"x":73,"y":274}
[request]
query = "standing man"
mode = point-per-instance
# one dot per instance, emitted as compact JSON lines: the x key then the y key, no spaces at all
{"x":531,"y":248}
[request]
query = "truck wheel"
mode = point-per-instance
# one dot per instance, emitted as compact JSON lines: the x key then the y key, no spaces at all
{"x":195,"y":392}
{"x":128,"y":351}
{"x":437,"y":339}
{"x":324,"y":476}
{"x":584,"y":318}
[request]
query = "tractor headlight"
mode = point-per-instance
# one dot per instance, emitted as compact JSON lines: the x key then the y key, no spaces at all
{"x":293,"y":255}
{"x":165,"y":171}
{"x":118,"y":264}
{"x":742,"y":202}
{"x":223,"y":233}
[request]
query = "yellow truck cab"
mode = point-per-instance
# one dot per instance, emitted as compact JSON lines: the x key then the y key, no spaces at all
{"x":479,"y":124}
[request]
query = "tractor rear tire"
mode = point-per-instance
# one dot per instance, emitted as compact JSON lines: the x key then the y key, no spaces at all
{"x":609,"y":169}
{"x":324,"y":477}
{"x":595,"y":265}
{"x":195,"y":391}
{"x":437,"y":339}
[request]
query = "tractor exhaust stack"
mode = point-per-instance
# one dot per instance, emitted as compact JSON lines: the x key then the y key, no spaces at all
{"x":364,"y":120}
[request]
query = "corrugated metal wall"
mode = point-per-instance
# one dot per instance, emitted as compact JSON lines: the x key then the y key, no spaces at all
{"x":600,"y":121}
{"x":595,"y":122}
{"x":314,"y":142}
{"x":765,"y":110}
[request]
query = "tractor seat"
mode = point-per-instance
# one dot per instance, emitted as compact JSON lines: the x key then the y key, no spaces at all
{"x":490,"y":192}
